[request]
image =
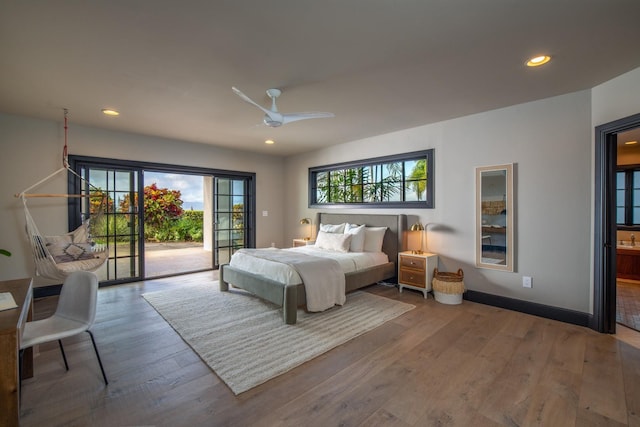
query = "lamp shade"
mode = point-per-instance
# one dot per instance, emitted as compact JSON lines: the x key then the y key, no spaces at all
{"x":419,"y":228}
{"x":307,"y":221}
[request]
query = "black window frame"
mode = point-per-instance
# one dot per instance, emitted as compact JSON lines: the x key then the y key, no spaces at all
{"x":628,"y":196}
{"x":428,"y":203}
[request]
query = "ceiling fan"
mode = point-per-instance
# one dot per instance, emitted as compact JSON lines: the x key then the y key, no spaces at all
{"x":273,"y":118}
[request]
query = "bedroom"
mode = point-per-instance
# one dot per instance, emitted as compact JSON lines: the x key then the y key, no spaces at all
{"x":555,"y":205}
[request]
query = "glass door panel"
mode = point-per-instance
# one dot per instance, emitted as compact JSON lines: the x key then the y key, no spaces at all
{"x":115,"y":219}
{"x":232,"y":214}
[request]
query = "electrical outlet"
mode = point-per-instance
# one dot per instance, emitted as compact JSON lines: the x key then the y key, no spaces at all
{"x":527,"y":282}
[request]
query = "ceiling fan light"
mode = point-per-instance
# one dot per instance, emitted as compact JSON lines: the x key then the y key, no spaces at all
{"x":536,"y":61}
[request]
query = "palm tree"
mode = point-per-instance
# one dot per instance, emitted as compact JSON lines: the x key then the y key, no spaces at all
{"x":417,"y":179}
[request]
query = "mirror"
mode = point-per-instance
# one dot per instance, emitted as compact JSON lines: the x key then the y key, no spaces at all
{"x":494,"y":217}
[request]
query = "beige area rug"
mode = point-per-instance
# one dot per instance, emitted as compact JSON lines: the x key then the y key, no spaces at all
{"x":244,"y":339}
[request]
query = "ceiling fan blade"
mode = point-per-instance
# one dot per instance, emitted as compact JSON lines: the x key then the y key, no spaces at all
{"x":294,"y":117}
{"x":245,"y":98}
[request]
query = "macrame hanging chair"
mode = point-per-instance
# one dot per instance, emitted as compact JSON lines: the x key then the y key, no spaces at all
{"x":58,"y":256}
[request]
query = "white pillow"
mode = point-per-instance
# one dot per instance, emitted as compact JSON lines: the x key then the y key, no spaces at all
{"x":329,"y":228}
{"x":373,"y":238}
{"x":333,"y":241}
{"x":357,"y":236}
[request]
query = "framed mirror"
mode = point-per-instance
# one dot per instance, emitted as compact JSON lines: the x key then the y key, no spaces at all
{"x":494,"y":217}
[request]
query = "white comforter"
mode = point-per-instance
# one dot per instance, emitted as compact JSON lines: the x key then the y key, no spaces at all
{"x":328,"y":291}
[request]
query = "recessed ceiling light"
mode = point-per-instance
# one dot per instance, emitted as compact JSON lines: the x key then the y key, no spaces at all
{"x":538,"y":60}
{"x":269,"y":141}
{"x":110,"y":112}
{"x":631,"y":142}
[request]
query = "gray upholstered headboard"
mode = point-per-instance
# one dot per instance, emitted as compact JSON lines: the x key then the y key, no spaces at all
{"x":393,"y":238}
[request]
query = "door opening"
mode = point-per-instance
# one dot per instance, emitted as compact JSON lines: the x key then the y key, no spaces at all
{"x":176,"y":240}
{"x":605,"y":226}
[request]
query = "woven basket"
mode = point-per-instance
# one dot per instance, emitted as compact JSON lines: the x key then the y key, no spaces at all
{"x":448,"y":287}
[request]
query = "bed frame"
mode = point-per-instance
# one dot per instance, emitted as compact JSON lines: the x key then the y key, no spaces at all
{"x":290,"y":297}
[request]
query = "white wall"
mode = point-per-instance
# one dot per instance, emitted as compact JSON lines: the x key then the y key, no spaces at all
{"x":32,"y":149}
{"x":612,"y":100}
{"x":616,"y":98}
{"x":550,"y":143}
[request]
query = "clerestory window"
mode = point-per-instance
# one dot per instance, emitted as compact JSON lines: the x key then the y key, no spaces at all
{"x":399,"y":181}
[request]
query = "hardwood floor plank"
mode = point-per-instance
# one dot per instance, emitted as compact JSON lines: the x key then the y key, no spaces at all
{"x":603,"y":371}
{"x":384,"y":419}
{"x":508,"y":402}
{"x":465,"y":386}
{"x":631,"y":377}
{"x":461,"y":365}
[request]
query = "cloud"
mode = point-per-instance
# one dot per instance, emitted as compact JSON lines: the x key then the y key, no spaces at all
{"x":190,"y":186}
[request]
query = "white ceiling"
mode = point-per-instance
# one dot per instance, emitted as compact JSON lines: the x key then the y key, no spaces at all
{"x":379,"y":65}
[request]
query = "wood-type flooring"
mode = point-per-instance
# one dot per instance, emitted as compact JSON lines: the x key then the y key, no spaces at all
{"x":437,"y":365}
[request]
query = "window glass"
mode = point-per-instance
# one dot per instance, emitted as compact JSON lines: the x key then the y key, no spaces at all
{"x":628,"y":196}
{"x":394,"y":181}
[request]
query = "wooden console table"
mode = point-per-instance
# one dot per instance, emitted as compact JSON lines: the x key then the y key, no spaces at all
{"x":11,"y":326}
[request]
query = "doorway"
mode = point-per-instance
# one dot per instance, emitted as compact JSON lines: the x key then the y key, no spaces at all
{"x":175,"y":241}
{"x":605,"y":222}
{"x":628,"y":227}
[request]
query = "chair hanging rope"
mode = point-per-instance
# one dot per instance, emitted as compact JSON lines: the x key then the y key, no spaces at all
{"x":58,"y":256}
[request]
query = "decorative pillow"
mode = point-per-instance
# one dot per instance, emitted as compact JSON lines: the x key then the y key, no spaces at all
{"x":357,"y":236}
{"x":71,"y":252}
{"x":58,"y":240}
{"x":373,"y":238}
{"x":333,"y":241}
{"x":330,"y":228}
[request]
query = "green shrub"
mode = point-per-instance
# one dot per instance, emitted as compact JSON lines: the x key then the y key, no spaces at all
{"x":189,"y":226}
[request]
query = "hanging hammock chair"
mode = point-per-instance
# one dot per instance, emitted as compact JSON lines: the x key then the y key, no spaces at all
{"x":58,"y":256}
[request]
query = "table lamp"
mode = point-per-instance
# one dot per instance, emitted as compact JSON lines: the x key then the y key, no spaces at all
{"x":419,"y":228}
{"x":305,"y":221}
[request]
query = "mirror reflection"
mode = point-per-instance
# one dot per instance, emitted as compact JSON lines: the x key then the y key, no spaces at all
{"x":494,"y":217}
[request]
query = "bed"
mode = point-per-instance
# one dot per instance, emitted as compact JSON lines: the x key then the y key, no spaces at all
{"x":290,"y":297}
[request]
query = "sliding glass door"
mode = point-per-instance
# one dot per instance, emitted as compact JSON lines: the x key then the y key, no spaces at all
{"x":154,"y":224}
{"x":112,"y":205}
{"x":233,"y":216}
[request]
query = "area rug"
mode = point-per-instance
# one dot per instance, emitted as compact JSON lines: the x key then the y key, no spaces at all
{"x":244,"y":340}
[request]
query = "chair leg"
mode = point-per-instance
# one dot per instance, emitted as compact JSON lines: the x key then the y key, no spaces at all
{"x":64,"y":356}
{"x":98,"y":356}
{"x":20,"y":371}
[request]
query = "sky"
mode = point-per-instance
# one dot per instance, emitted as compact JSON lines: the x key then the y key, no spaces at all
{"x":190,"y":186}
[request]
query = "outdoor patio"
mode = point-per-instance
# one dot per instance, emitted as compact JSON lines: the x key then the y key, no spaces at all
{"x":162,"y":259}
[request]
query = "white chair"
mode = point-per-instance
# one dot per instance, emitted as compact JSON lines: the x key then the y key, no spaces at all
{"x":74,"y":314}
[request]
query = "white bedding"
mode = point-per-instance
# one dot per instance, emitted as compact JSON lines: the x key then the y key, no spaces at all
{"x":283,"y":273}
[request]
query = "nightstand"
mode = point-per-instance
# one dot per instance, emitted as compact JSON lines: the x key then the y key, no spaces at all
{"x":415,"y":271}
{"x":303,"y":242}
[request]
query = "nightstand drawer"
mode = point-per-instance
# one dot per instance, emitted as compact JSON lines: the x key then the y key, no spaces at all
{"x":415,"y":271}
{"x":412,"y":262}
{"x":412,"y":277}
